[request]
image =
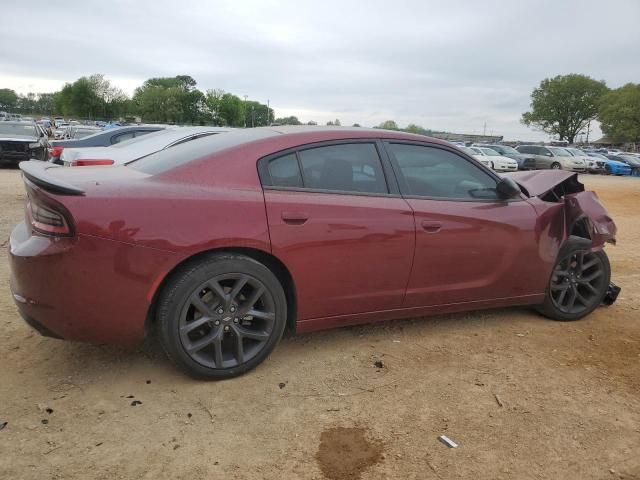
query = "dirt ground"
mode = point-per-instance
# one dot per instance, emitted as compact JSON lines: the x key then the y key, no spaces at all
{"x":524,"y":397}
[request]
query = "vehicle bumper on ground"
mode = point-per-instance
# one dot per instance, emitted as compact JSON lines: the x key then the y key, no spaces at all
{"x":83,"y":288}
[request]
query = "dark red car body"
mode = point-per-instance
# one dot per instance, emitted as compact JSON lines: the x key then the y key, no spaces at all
{"x":349,"y":258}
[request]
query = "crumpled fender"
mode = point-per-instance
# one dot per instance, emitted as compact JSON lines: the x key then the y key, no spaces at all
{"x":564,"y":209}
{"x":586,"y":207}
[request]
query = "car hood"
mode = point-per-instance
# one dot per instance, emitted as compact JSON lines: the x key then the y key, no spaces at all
{"x":539,"y":182}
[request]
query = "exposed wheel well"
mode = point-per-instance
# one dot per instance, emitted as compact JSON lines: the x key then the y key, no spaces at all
{"x":580,"y":228}
{"x":268,"y":260}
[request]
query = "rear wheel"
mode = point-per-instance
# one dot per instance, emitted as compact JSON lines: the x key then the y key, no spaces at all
{"x":556,"y":166}
{"x":222,"y":317}
{"x":577,"y":286}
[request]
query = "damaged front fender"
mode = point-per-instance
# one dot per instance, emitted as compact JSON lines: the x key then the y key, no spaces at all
{"x":586,"y":216}
{"x":564,"y":209}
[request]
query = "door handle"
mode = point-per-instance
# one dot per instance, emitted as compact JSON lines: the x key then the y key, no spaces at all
{"x":431,"y":227}
{"x":294,"y":218}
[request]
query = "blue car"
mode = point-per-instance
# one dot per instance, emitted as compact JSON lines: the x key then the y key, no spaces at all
{"x":612,"y":167}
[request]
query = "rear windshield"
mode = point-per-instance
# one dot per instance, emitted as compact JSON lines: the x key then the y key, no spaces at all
{"x":179,"y":155}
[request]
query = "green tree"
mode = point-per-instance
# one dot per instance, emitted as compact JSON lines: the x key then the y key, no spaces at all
{"x":564,"y":105}
{"x":292,"y":120}
{"x":258,"y":114}
{"x":8,"y":99}
{"x":335,"y":123}
{"x":413,"y":128}
{"x":619,"y":114}
{"x":389,"y":125}
{"x":232,"y":110}
{"x":171,"y":99}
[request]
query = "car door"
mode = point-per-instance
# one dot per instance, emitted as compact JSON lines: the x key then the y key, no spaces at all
{"x":470,"y":245}
{"x":338,"y":223}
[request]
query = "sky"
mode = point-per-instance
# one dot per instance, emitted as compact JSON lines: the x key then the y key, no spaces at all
{"x":460,"y":66}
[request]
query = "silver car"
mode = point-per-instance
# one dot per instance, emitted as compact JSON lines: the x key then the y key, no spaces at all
{"x":543,"y":157}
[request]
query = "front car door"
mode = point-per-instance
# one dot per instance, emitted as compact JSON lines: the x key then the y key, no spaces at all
{"x":471,"y":246}
{"x":338,"y":223}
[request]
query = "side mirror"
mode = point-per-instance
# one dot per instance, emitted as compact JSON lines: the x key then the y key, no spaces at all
{"x":507,"y":188}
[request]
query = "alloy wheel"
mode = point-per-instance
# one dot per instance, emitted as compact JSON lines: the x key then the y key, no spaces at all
{"x":577,"y":282}
{"x":227,"y":320}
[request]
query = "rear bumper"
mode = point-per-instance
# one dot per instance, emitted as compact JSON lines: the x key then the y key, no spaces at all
{"x":83,"y":288}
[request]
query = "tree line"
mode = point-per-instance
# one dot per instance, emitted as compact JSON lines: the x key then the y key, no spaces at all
{"x":162,"y":100}
{"x":563,"y":106}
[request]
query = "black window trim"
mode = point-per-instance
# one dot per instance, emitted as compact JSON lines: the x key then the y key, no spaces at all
{"x":404,"y":189}
{"x":390,"y":179}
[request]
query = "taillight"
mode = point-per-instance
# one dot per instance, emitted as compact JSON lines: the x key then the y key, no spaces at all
{"x":89,"y":162}
{"x":55,"y":151}
{"x":48,"y":218}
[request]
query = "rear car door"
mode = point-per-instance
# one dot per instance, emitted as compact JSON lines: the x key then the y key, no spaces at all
{"x":338,"y":223}
{"x":470,"y":245}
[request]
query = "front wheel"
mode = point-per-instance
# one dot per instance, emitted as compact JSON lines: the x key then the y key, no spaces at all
{"x":577,"y":286}
{"x":635,"y":172}
{"x":556,"y":166}
{"x":221,"y":317}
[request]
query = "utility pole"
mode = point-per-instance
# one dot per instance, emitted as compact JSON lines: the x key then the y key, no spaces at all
{"x":268,"y":113}
{"x":588,"y":130}
{"x":484,"y":130}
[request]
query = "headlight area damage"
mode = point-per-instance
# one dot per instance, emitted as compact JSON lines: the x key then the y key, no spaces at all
{"x":569,"y":216}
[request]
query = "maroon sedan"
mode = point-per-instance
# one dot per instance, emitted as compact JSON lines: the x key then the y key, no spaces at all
{"x":223,"y":242}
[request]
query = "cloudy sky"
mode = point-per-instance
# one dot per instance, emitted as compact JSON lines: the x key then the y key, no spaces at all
{"x":445,"y":65}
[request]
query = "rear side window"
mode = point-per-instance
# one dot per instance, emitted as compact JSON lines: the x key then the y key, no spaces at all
{"x":524,"y":149}
{"x":437,"y":173}
{"x":284,"y":172}
{"x":354,"y":167}
{"x":122,"y":137}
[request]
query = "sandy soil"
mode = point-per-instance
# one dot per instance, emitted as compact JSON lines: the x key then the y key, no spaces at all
{"x":524,"y":397}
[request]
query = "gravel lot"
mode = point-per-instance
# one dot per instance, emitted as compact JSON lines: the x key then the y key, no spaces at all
{"x":524,"y":397}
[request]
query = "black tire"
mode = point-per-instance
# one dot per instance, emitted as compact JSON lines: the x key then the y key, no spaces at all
{"x":556,"y":166}
{"x":555,"y":307}
{"x":184,"y":326}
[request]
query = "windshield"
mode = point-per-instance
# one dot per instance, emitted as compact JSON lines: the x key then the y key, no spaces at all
{"x":576,"y":152}
{"x":560,"y":152}
{"x":468,"y":151}
{"x":490,"y":152}
{"x":18,"y":129}
{"x":505,"y":150}
{"x":170,"y":158}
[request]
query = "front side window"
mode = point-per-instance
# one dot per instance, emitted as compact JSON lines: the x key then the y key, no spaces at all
{"x":353,"y":167}
{"x":438,"y":173}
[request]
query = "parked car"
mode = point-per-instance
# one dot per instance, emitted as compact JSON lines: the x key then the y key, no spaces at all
{"x":221,"y":242}
{"x":135,"y":148}
{"x":612,"y":167}
{"x":22,"y":141}
{"x":498,"y":162}
{"x":60,"y":131}
{"x":631,"y":160}
{"x":76,"y":132}
{"x":481,"y":158}
{"x":103,"y":138}
{"x":556,"y":158}
{"x":593,"y":165}
{"x":507,"y":151}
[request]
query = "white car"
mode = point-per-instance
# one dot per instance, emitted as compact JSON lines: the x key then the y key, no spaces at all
{"x":135,"y":148}
{"x":593,"y":165}
{"x":498,"y":162}
{"x":483,"y":159}
{"x":60,"y":132}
